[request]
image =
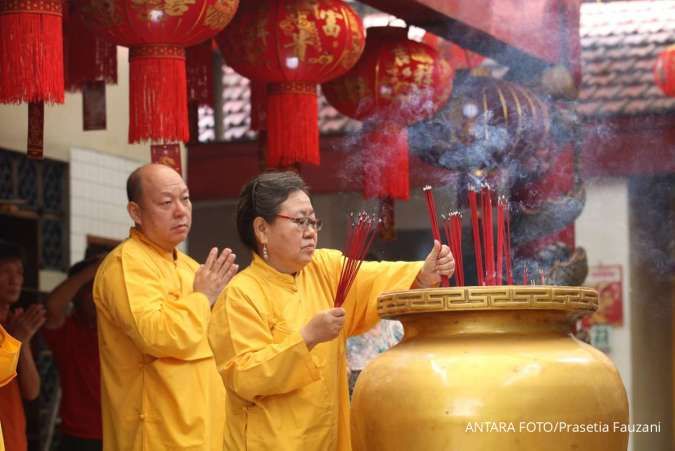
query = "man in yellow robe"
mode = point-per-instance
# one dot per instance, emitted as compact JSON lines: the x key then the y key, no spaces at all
{"x":160,"y":389}
{"x":9,"y":357}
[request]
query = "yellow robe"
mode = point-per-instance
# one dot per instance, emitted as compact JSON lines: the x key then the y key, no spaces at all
{"x":160,"y":389}
{"x":9,"y":357}
{"x":281,"y":396}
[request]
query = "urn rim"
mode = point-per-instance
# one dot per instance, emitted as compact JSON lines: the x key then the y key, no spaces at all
{"x":575,"y":300}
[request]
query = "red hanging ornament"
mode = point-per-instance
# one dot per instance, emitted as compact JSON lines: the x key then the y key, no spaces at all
{"x":87,"y":56}
{"x":199,"y":65}
{"x":157,"y":34}
{"x":258,"y":105}
{"x":664,"y":71}
{"x":31,"y":51}
{"x":292,"y":45}
{"x":396,"y":82}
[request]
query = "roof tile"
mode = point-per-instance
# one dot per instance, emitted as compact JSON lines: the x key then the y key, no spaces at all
{"x":620,"y":43}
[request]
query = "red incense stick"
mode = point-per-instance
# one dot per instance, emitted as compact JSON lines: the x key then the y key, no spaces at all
{"x":431,"y":208}
{"x":473,"y":205}
{"x":359,"y":239}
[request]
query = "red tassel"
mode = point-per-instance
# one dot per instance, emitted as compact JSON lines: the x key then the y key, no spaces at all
{"x":157,"y":94}
{"x":88,"y":57}
{"x":31,"y":51}
{"x":292,"y":123}
{"x":258,"y":105}
{"x":199,"y":66}
{"x":385,"y":165}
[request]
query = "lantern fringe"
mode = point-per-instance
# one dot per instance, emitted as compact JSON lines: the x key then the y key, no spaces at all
{"x":157,"y":99}
{"x":385,"y":165}
{"x":88,"y":57}
{"x":31,"y":58}
{"x":292,"y":125}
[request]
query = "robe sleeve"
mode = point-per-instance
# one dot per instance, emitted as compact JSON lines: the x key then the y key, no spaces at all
{"x":9,"y":356}
{"x":373,"y":279}
{"x":160,"y":324}
{"x":253,"y":360}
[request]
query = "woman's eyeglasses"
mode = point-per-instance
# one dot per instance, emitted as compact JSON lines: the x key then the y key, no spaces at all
{"x":305,"y":222}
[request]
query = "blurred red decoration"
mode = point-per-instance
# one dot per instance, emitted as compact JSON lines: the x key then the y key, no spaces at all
{"x":199,"y":64}
{"x":87,"y":56}
{"x":292,"y":45}
{"x":397,"y":82}
{"x":664,"y":71}
{"x":157,"y":34}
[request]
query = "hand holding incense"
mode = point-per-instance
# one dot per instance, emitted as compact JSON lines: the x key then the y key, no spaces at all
{"x":359,"y":239}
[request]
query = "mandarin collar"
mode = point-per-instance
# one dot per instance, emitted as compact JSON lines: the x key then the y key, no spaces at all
{"x":136,"y":234}
{"x":283,"y":279}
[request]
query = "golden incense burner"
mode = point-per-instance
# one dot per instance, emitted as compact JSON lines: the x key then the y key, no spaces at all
{"x":490,"y":368}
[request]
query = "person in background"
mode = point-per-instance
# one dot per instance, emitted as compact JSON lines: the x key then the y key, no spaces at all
{"x":70,"y":332}
{"x":278,"y":340}
{"x":160,"y":388}
{"x":22,"y":325}
{"x":10,"y":348}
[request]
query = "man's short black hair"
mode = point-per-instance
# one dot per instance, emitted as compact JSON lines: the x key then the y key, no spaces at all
{"x":10,"y":251}
{"x":135,"y":185}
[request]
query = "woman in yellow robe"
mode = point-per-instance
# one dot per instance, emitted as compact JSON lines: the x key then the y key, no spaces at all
{"x":9,"y":356}
{"x":278,"y":342}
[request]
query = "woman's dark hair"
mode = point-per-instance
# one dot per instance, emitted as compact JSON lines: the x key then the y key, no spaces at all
{"x":262,"y":196}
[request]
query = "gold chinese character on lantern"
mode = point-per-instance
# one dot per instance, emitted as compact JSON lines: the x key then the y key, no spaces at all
{"x":423,"y":74}
{"x":331,"y":27}
{"x":305,"y":36}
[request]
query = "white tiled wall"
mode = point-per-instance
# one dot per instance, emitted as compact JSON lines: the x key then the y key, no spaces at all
{"x":97,"y":198}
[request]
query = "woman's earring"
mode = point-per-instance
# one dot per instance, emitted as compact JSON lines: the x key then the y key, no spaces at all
{"x":266,"y":254}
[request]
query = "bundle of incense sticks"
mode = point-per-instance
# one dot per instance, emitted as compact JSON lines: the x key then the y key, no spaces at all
{"x":452,"y":224}
{"x":360,"y":235}
{"x":431,"y":208}
{"x":499,"y":266}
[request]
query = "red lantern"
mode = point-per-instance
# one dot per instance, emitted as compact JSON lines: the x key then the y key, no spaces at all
{"x":664,"y":71}
{"x":292,"y":45}
{"x":157,"y":34}
{"x":396,"y":82}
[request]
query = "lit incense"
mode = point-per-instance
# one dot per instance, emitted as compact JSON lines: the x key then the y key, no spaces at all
{"x":359,"y":239}
{"x":433,"y":217}
{"x":475,"y":226}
